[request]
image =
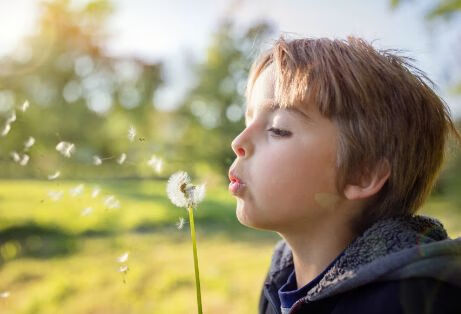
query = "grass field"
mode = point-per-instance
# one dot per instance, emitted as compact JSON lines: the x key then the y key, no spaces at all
{"x":53,"y":259}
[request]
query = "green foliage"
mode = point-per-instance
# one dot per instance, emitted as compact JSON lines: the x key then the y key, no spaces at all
{"x":214,"y":108}
{"x":441,"y":8}
{"x":77,"y":92}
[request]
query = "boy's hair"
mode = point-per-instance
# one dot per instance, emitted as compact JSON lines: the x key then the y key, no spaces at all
{"x":382,"y":106}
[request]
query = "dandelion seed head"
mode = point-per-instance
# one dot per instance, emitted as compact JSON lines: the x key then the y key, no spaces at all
{"x":24,"y":106}
{"x":55,"y":195}
{"x":175,"y":188}
{"x":29,"y":143}
{"x":66,"y":148}
{"x":121,"y":159}
{"x":198,"y":194}
{"x":6,"y":129}
{"x":180,"y":223}
{"x":4,"y":294}
{"x":86,"y":211}
{"x":97,"y":160}
{"x":123,"y":258}
{"x":131,"y":133}
{"x":77,"y":190}
{"x":54,"y":175}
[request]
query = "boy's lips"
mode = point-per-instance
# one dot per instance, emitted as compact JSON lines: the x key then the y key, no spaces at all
{"x":236,"y":185}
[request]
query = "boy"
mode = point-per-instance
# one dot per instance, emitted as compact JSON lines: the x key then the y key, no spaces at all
{"x":342,"y":145}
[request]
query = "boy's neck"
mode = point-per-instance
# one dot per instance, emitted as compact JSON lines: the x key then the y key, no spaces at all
{"x":314,"y":251}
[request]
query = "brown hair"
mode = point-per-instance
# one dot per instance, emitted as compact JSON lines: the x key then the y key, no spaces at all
{"x":382,"y":106}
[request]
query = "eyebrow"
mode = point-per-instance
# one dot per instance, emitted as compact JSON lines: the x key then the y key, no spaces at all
{"x":271,"y":107}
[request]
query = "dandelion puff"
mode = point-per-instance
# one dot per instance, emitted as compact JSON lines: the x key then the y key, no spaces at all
{"x":66,"y":148}
{"x":121,"y":159}
{"x":29,"y":143}
{"x":16,"y":157}
{"x":24,"y":160}
{"x":54,"y":175}
{"x":123,"y":258}
{"x":180,"y":223}
{"x":95,"y":192}
{"x":198,"y":194}
{"x":131,"y":133}
{"x":6,"y":129}
{"x":86,"y":211}
{"x":4,"y":294}
{"x":97,"y":160}
{"x":175,"y":188}
{"x":11,"y":118}
{"x":77,"y":190}
{"x":55,"y":195}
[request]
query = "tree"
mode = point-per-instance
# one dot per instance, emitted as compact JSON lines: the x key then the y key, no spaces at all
{"x":77,"y":92}
{"x":214,"y":107}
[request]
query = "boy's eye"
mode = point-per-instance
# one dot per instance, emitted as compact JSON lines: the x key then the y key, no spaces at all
{"x":279,"y":132}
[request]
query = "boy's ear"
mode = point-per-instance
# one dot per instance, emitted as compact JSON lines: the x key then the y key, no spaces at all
{"x":369,"y":183}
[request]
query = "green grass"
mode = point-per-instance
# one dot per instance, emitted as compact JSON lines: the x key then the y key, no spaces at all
{"x":53,"y":260}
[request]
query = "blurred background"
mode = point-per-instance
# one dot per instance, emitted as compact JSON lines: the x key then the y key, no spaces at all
{"x":101,"y":101}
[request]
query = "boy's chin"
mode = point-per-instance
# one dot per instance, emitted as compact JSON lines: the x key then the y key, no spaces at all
{"x":245,"y":218}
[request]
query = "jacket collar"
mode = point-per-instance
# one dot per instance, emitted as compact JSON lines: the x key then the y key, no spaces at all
{"x":390,"y":249}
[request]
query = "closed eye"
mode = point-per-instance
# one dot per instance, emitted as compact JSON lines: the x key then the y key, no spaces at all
{"x":279,"y":132}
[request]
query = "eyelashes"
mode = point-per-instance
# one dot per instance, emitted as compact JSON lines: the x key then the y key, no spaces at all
{"x":279,"y":132}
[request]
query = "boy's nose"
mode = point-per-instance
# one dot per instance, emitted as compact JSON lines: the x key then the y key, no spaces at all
{"x":238,"y":147}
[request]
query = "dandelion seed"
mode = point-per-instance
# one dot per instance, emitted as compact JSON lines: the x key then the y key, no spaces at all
{"x":123,"y":258}
{"x":131,"y":133}
{"x":76,"y":190}
{"x":65,"y":148}
{"x":155,"y":163}
{"x":86,"y":211}
{"x":24,"y":160}
{"x":95,"y":192}
{"x":111,"y":202}
{"x":16,"y":157}
{"x":11,"y":118}
{"x":123,"y":269}
{"x":97,"y":161}
{"x":6,"y":129}
{"x":180,"y":223}
{"x":54,"y":175}
{"x":121,"y":159}
{"x":55,"y":195}
{"x":29,"y":143}
{"x":24,"y":106}
{"x":4,"y":294}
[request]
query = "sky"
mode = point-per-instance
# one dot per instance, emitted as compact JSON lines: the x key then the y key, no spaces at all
{"x":169,"y":30}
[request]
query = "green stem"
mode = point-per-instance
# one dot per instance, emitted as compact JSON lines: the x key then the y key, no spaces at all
{"x":194,"y":249}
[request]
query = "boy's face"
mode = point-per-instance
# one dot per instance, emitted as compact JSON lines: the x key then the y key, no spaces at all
{"x":286,"y":162}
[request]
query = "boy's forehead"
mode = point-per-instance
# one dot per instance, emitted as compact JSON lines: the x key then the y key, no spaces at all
{"x":262,"y":97}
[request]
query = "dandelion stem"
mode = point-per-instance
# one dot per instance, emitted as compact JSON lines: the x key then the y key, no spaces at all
{"x":194,"y":249}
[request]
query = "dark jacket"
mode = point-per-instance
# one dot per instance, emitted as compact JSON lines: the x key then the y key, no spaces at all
{"x":398,"y":265}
